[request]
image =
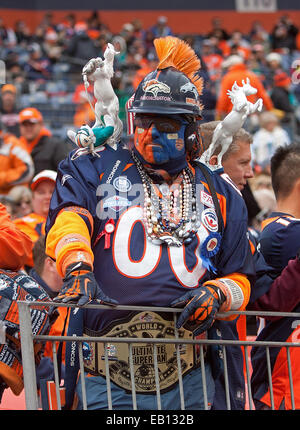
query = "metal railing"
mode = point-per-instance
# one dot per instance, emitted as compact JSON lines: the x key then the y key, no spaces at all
{"x":29,"y":369}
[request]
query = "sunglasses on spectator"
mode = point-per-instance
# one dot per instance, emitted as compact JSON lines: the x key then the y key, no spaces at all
{"x":161,"y":123}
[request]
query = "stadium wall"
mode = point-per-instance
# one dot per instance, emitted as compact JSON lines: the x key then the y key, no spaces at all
{"x":194,"y":18}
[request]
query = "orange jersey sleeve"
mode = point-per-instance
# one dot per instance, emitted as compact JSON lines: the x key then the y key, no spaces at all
{"x":69,"y":240}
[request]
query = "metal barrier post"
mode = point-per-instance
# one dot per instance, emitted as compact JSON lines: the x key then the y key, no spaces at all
{"x":28,"y":362}
{"x":226,"y":381}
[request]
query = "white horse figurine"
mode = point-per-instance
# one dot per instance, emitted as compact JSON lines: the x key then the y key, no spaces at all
{"x":107,"y":105}
{"x":226,"y":129}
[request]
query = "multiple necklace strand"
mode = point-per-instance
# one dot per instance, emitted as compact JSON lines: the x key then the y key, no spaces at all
{"x":170,"y":212}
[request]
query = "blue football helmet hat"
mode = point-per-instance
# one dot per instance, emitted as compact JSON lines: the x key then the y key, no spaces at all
{"x":174,"y":88}
{"x":167,"y":92}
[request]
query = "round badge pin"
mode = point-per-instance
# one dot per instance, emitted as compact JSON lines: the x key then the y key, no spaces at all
{"x":122,"y":184}
{"x":109,"y":228}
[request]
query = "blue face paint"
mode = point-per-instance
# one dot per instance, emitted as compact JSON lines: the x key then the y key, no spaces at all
{"x":167,"y":146}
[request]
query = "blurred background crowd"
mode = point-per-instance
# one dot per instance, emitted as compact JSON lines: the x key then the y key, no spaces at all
{"x":43,"y":72}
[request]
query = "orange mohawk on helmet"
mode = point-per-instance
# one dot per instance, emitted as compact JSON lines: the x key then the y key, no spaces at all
{"x":174,"y":87}
{"x":173,"y":52}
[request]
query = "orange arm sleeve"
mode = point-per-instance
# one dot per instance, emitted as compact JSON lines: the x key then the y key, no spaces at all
{"x":15,"y":246}
{"x":236,"y":288}
{"x":68,"y":241}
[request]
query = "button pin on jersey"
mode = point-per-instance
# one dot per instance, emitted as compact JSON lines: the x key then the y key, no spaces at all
{"x":109,"y":228}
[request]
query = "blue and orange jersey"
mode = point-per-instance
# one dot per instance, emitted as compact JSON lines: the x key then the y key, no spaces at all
{"x":279,"y":243}
{"x":92,"y":192}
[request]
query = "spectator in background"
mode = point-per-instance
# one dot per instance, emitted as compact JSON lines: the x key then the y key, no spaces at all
{"x":120,"y":46}
{"x":84,"y":113}
{"x":127,"y":33}
{"x":281,"y":96}
{"x":259,"y":35}
{"x":274,"y":65}
{"x":266,"y":140}
{"x":46,"y":150}
{"x":257,"y":63}
{"x":22,"y":198}
{"x":283,"y":35}
{"x":80,"y":48}
{"x":8,"y":109}
{"x":33,"y":224}
{"x":22,"y":32}
{"x":161,"y":28}
{"x":66,"y":28}
{"x":38,"y":67}
{"x":239,"y":45}
{"x":16,"y":165}
{"x":52,"y":47}
{"x":15,"y":246}
{"x":279,"y":243}
{"x":238,"y":71}
{"x":138,"y":31}
{"x":218,"y":30}
{"x":213,"y":60}
{"x":148,"y":66}
{"x":7,"y":35}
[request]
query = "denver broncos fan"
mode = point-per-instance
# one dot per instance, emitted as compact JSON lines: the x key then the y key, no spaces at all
{"x":279,"y":244}
{"x":150,"y":226}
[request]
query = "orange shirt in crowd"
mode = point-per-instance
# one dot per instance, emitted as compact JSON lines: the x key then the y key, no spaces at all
{"x":33,"y":225}
{"x":15,"y":245}
{"x":239,"y":72}
{"x":16,"y":164}
{"x":30,"y":145}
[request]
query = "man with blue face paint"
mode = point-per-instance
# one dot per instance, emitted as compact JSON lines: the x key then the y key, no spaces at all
{"x":183,"y":245}
{"x":160,"y":139}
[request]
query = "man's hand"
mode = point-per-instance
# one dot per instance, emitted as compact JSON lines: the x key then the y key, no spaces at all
{"x":200,"y":308}
{"x":81,"y":287}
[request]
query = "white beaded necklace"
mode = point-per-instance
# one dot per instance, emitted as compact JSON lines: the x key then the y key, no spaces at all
{"x":170,"y":212}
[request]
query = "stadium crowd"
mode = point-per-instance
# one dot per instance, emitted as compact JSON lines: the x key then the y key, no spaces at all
{"x":44,"y":96}
{"x":43,"y":71}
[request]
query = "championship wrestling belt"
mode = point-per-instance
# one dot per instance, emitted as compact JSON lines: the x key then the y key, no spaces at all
{"x":141,"y":325}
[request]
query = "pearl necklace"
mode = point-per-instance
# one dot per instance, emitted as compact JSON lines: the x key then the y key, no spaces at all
{"x":170,"y":212}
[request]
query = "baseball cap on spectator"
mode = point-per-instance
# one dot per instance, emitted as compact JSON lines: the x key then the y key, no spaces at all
{"x":282,"y":79}
{"x":30,"y":114}
{"x":128,"y":27}
{"x":44,"y":175}
{"x":257,"y":47}
{"x":80,"y":27}
{"x":9,"y":87}
{"x":162,"y":19}
{"x":232,"y":60}
{"x":273,"y":56}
